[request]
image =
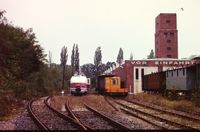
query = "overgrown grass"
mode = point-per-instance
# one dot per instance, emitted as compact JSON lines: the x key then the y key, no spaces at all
{"x":181,"y":105}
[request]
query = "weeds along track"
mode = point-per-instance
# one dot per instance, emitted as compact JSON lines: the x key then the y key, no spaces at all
{"x":47,"y":118}
{"x":188,"y":116}
{"x":95,"y":120}
{"x":159,"y":118}
{"x":119,"y":107}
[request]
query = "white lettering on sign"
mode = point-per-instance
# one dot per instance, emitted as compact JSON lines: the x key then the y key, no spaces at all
{"x":144,"y":62}
{"x":163,"y":62}
{"x":156,"y":62}
{"x":187,"y":62}
{"x":181,"y":62}
{"x":175,"y":63}
{"x":138,"y":62}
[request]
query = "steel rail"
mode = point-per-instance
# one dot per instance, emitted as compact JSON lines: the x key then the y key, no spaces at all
{"x":117,"y":124}
{"x":142,"y":118}
{"x":40,"y":124}
{"x":165,"y":111}
{"x":65,"y":117}
{"x":71,"y":114}
{"x":156,"y":117}
{"x":106,"y":98}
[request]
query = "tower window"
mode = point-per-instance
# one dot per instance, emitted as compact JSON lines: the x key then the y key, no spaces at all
{"x":168,"y":41}
{"x":169,"y":56}
{"x":168,"y":21}
{"x":114,"y":81}
{"x":171,"y":34}
{"x":165,"y":33}
{"x":169,"y":48}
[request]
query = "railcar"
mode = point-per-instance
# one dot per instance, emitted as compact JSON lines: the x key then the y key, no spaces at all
{"x":197,"y":83}
{"x":155,"y":82}
{"x":79,"y":84}
{"x":111,"y":85}
{"x":181,"y":80}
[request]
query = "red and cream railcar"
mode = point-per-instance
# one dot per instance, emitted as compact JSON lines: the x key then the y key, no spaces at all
{"x":79,"y":84}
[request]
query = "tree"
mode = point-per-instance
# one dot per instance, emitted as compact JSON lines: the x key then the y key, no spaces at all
{"x":110,"y":65}
{"x":76,"y":60}
{"x":2,"y":18}
{"x":120,"y":57}
{"x":20,"y":57}
{"x":50,"y":59}
{"x":73,"y":59}
{"x":131,"y":56}
{"x":151,"y":55}
{"x":63,"y":59}
{"x":97,"y":60}
{"x":88,"y":70}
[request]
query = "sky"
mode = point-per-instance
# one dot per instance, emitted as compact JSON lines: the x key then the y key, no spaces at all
{"x":110,"y":24}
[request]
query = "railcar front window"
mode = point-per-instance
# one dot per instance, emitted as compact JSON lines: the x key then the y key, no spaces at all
{"x":114,"y":81}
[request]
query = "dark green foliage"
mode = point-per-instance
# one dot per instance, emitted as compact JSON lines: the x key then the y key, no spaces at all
{"x":110,"y":65}
{"x":22,"y":68}
{"x":50,"y":59}
{"x":63,"y":60}
{"x":151,"y":55}
{"x":120,"y":56}
{"x":131,"y":56}
{"x":72,"y":59}
{"x":97,"y":61}
{"x":88,"y":70}
{"x":20,"y":57}
{"x":76,"y":60}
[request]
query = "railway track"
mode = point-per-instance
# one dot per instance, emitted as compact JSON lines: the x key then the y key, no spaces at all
{"x":188,"y":116}
{"x":94,"y":120}
{"x":158,"y":118}
{"x":40,"y":124}
{"x":48,"y":118}
{"x":141,"y":117}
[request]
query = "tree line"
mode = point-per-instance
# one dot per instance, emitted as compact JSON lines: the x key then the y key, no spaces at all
{"x":25,"y":72}
{"x":23,"y":64}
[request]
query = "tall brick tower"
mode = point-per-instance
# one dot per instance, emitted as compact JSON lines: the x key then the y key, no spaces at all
{"x":166,"y":36}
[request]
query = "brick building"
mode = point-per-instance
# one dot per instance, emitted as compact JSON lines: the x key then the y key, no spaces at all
{"x":166,"y":55}
{"x":166,"y":36}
